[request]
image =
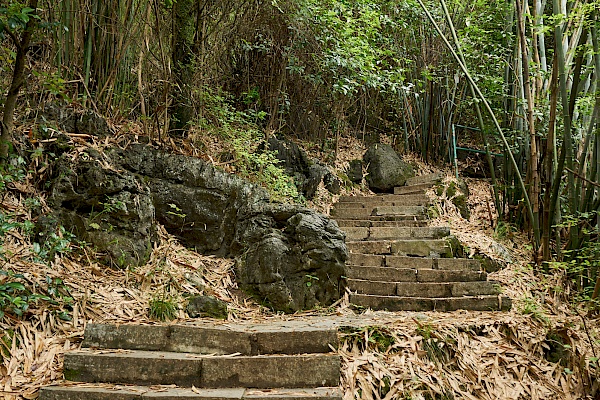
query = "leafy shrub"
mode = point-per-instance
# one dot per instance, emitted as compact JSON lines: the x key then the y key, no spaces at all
{"x":241,"y":134}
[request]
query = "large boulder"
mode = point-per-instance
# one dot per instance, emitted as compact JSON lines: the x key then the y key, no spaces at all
{"x":307,"y":173}
{"x":385,"y":169}
{"x":292,"y":257}
{"x":105,"y":207}
{"x":288,"y":256}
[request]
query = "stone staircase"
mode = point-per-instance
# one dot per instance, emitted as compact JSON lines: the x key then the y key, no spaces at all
{"x":254,"y":362}
{"x":398,"y":263}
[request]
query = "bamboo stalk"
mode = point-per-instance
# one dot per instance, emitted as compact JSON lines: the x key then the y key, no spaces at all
{"x":490,"y":111}
{"x":477,"y":110}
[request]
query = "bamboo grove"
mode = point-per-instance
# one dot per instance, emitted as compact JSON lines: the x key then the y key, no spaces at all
{"x":523,"y":74}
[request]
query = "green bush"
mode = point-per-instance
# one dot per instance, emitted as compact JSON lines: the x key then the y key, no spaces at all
{"x":242,"y":136}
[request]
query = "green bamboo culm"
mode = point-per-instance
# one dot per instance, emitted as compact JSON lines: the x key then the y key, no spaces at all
{"x":536,"y":232}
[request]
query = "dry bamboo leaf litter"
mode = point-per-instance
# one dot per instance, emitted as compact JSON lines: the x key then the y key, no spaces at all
{"x":456,"y":355}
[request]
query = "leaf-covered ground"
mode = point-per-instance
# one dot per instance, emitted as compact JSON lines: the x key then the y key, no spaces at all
{"x":544,"y":348}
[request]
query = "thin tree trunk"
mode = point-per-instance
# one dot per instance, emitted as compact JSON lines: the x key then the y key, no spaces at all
{"x":533,"y":173}
{"x":6,"y":136}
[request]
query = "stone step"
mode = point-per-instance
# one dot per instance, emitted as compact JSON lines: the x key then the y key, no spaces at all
{"x":407,"y":247}
{"x":429,"y":290}
{"x":378,"y":260}
{"x":245,"y":339}
{"x":411,"y":189}
{"x":383,"y":200}
{"x":114,"y":392}
{"x":391,"y":274}
{"x":419,"y":304}
{"x":380,"y":233}
{"x":351,"y":223}
{"x":428,"y":179}
{"x":138,"y":367}
{"x":380,"y":211}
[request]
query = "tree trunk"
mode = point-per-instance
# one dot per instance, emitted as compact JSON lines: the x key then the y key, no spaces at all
{"x":184,"y":29}
{"x":6,"y":136}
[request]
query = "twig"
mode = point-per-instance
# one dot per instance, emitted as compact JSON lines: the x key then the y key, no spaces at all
{"x":582,"y":178}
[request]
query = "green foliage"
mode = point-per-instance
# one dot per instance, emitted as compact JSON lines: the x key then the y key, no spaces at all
{"x":356,"y":51}
{"x":16,"y":297}
{"x":14,"y":17}
{"x":376,"y":337}
{"x":243,"y":138}
{"x":162,"y":309}
{"x":56,"y":243}
{"x":531,"y":307}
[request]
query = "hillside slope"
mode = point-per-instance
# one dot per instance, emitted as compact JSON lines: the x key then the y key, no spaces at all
{"x":542,"y":348}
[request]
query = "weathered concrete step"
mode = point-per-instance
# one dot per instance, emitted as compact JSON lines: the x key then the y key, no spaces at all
{"x":138,"y":367}
{"x":380,"y":233}
{"x":383,"y":200}
{"x":411,"y":189}
{"x":352,"y":223}
{"x":391,"y":274}
{"x":428,"y":179}
{"x":429,"y":290}
{"x":115,"y":392}
{"x":407,"y":247}
{"x":247,"y":339}
{"x":378,"y":260}
{"x":379,"y":211}
{"x":396,"y":303}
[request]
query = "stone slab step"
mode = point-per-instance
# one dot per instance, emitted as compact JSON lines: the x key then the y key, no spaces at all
{"x":429,"y":290}
{"x":383,"y":200}
{"x":379,"y":233}
{"x":391,"y":274}
{"x":379,"y":260}
{"x":408,"y":247}
{"x":116,"y":392}
{"x":246,"y":339}
{"x":429,"y":179}
{"x":138,"y":367}
{"x":419,"y":304}
{"x":411,"y":189}
{"x":351,"y":223}
{"x":378,"y":211}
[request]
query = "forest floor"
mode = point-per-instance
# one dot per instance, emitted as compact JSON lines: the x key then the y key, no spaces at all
{"x":546,"y":347}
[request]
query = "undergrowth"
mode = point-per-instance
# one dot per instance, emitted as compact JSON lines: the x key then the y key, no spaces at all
{"x":243,"y":142}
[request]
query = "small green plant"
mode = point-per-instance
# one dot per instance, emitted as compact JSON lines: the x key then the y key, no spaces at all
{"x":56,"y":243}
{"x":377,"y":336}
{"x":310,"y":279}
{"x":177,"y":212}
{"x":532,"y":308}
{"x":163,"y":308}
{"x":16,"y":298}
{"x":505,"y":230}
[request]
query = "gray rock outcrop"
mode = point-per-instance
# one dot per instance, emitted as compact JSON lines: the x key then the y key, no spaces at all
{"x":307,"y":173}
{"x":289,"y":257}
{"x":385,"y":169}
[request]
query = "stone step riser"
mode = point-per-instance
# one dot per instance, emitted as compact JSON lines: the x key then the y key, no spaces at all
{"x":385,"y":198}
{"x":380,"y":211}
{"x":210,"y":339}
{"x":416,"y":248}
{"x":372,"y":204}
{"x":140,"y":392}
{"x":447,"y":264}
{"x":391,"y":274}
{"x":428,"y":290}
{"x":429,"y":179}
{"x":412,"y":189}
{"x":384,"y":233}
{"x":160,"y":368}
{"x":420,"y":304}
{"x":358,"y":223}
